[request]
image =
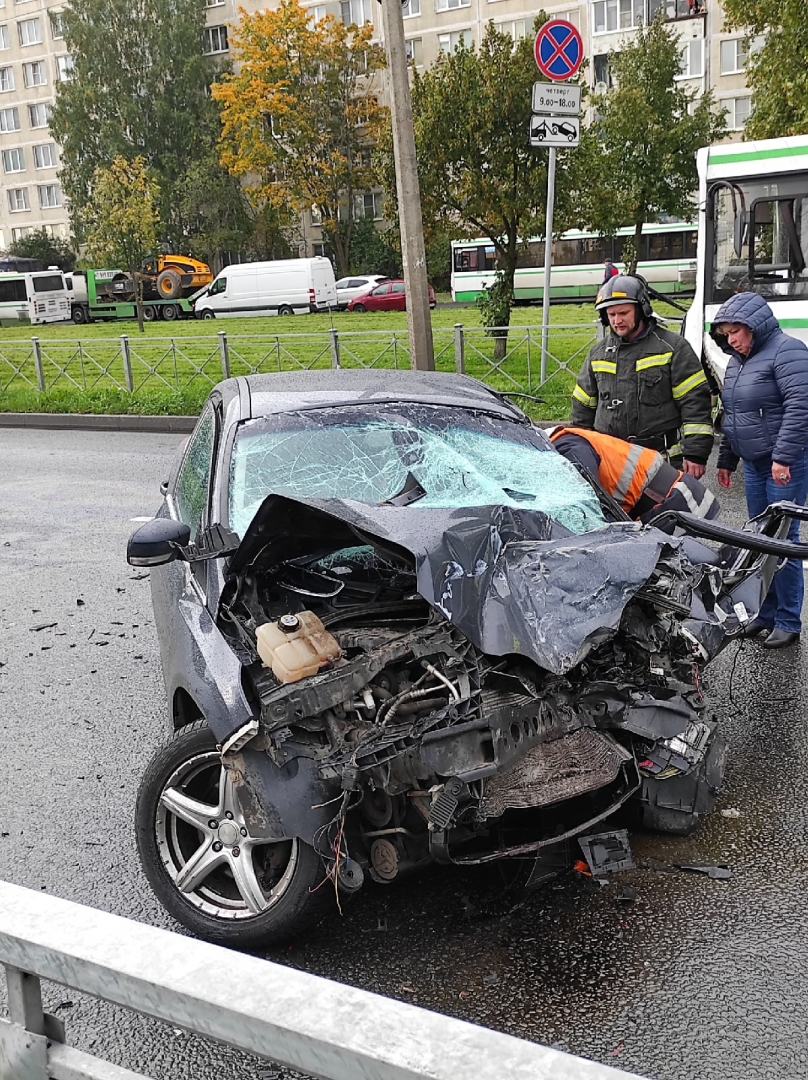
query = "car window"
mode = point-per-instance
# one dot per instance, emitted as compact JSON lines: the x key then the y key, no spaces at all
{"x":191,"y":492}
{"x":381,"y":290}
{"x":458,"y":458}
{"x":345,"y":283}
{"x":398,"y":287}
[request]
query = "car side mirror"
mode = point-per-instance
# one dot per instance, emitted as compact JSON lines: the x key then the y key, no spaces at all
{"x":158,"y":541}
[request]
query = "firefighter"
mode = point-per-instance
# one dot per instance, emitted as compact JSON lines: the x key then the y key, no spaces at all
{"x":643,"y":383}
{"x":639,"y":479}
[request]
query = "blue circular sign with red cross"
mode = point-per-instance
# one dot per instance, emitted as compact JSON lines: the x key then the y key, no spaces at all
{"x":559,"y":50}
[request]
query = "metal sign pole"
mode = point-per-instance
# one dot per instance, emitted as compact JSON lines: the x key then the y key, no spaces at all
{"x":548,"y":260}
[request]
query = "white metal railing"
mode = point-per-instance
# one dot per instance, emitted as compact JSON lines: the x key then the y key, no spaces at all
{"x":308,"y":1023}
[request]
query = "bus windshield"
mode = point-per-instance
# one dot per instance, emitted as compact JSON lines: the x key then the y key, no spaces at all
{"x":759,"y":238}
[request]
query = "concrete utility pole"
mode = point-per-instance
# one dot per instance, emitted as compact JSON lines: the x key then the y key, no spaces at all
{"x":419,"y":323}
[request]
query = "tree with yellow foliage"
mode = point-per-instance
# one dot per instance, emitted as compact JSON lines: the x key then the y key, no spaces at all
{"x":301,"y":115}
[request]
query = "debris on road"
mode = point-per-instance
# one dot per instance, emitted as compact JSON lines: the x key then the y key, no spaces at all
{"x":43,"y":626}
{"x":607,"y":852}
{"x":731,"y":813}
{"x":717,"y":873}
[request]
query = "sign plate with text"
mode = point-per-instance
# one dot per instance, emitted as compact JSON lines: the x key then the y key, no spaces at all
{"x":557,"y":99}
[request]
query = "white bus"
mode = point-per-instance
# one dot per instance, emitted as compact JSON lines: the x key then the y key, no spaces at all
{"x":753,"y":235}
{"x":35,"y":297}
{"x":667,"y":260}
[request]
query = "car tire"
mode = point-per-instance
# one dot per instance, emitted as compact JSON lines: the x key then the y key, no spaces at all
{"x":186,"y":774}
{"x":359,"y":307}
{"x":285,"y":309}
{"x":208,"y":314}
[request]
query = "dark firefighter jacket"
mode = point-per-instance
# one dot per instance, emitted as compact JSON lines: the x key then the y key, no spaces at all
{"x":652,"y":391}
{"x":765,"y":394}
{"x":638,"y":478}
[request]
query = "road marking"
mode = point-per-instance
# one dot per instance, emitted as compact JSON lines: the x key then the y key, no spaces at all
{"x":141,"y":519}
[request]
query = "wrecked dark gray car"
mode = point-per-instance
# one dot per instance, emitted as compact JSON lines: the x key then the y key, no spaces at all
{"x":397,"y":627}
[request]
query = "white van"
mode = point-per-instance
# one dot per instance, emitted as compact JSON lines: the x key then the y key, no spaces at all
{"x":284,"y":287}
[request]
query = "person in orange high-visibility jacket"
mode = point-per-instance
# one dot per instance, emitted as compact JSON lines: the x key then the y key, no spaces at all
{"x":639,"y":479}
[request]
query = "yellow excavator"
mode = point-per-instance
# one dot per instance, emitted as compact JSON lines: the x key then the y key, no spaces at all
{"x":166,"y":277}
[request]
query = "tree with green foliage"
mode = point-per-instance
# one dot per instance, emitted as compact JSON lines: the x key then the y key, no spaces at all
{"x":649,"y":127}
{"x":122,"y":220}
{"x":477,"y":173}
{"x":139,"y":87}
{"x":777,"y":70}
{"x":47,"y":249}
{"x":301,"y":114}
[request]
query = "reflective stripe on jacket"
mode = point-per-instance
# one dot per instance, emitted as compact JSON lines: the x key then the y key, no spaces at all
{"x":625,"y":469}
{"x":651,"y":391}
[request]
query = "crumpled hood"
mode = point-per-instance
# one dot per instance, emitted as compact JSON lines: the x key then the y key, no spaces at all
{"x":512,"y":581}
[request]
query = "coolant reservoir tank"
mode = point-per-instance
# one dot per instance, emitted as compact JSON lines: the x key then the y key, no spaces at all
{"x":295,"y":646}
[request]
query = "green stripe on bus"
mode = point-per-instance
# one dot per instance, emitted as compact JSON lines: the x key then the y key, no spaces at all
{"x":717,"y":158}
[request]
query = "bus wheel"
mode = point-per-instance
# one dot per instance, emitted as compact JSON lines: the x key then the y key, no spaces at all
{"x":79,"y":316}
{"x":171,"y":312}
{"x":149,"y":313}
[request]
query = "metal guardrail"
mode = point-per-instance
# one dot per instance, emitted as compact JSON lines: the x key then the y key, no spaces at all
{"x":311,"y":1024}
{"x":509,"y":358}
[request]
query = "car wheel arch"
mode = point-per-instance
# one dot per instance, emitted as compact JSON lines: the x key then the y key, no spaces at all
{"x":184,"y":709}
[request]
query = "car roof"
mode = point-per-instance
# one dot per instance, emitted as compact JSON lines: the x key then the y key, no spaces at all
{"x":292,"y":391}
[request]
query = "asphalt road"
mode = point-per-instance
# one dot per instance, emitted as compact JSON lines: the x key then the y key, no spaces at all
{"x":695,"y":978}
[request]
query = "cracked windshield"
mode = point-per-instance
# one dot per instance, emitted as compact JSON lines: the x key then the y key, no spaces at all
{"x":425,"y":456}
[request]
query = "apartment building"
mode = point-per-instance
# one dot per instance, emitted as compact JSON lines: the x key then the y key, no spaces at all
{"x":33,"y":59}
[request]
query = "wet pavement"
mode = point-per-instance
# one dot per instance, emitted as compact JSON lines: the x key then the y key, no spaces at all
{"x":694,"y":978}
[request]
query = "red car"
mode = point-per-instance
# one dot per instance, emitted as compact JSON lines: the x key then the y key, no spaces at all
{"x":389,"y":296}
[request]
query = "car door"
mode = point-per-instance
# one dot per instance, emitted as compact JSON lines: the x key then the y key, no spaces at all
{"x":193,"y":653}
{"x":398,"y":298}
{"x":379,"y":299}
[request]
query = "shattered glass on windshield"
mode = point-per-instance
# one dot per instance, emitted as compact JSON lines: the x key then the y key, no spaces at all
{"x":415,"y":455}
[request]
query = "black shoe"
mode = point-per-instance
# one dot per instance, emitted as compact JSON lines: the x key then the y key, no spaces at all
{"x":778,"y":639}
{"x":756,"y":627}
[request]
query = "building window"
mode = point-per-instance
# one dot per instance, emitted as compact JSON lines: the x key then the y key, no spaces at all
{"x":611,"y":15}
{"x":602,"y":72}
{"x":57,"y":25}
{"x":369,"y":205}
{"x":33,"y":74}
{"x":318,"y":249}
{"x":18,"y":199}
{"x":13,"y":160}
{"x":64,"y":68}
{"x":317,"y":13}
{"x":356,"y":12}
{"x":215,"y":39}
{"x":449,"y":5}
{"x":9,"y":120}
{"x":516,"y":29}
{"x":19,"y":234}
{"x":4,"y":42}
{"x":692,"y":60}
{"x":733,"y":56}
{"x":411,"y":9}
{"x":737,"y":112}
{"x":413,"y":49}
{"x":449,"y":42}
{"x":214,"y":3}
{"x":45,"y":156}
{"x":316,"y":215}
{"x":30,"y":31}
{"x":6,"y":80}
{"x":50,"y":195}
{"x":38,"y":115}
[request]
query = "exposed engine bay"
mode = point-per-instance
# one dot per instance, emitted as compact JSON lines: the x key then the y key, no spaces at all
{"x":502,"y":685}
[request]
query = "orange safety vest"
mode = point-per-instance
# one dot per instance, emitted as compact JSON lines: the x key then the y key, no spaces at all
{"x":625,"y":470}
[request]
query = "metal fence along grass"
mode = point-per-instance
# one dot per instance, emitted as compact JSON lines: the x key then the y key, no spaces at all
{"x":162,"y":374}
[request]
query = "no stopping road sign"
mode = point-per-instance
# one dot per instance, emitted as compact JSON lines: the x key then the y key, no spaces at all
{"x":559,"y":50}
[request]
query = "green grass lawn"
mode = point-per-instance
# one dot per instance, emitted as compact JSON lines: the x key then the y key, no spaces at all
{"x":174,"y":365}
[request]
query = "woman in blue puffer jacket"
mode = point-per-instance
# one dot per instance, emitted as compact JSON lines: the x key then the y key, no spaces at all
{"x":765,"y":398}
